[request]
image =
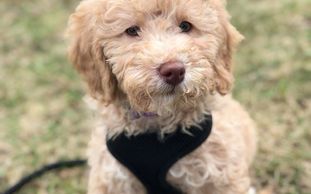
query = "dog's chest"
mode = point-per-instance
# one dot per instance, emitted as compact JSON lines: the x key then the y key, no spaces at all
{"x":150,"y":158}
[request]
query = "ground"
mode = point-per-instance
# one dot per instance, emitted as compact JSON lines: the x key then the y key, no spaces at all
{"x":43,"y":118}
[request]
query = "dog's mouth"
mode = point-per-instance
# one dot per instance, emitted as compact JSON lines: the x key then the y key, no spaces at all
{"x":168,"y":90}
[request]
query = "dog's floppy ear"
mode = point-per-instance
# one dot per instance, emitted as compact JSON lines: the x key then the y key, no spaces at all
{"x":230,"y":39}
{"x":86,"y":54}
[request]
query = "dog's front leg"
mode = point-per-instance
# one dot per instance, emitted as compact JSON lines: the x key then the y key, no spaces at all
{"x":95,"y":185}
{"x":114,"y":180}
{"x":107,"y":175}
{"x":240,"y":185}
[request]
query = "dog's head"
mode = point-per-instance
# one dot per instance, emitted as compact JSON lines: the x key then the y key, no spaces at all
{"x":153,"y":52}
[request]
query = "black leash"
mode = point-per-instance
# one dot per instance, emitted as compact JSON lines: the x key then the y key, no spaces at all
{"x":36,"y":174}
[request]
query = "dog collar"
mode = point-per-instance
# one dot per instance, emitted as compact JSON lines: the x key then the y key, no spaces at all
{"x":136,"y":115}
{"x":149,"y":158}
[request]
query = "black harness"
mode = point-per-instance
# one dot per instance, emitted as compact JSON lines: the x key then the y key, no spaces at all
{"x":149,"y":157}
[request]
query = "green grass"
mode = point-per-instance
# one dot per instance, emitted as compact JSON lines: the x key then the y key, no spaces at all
{"x":273,"y":70}
{"x":43,"y":118}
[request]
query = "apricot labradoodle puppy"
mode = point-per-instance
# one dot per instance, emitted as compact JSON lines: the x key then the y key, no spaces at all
{"x":159,"y":75}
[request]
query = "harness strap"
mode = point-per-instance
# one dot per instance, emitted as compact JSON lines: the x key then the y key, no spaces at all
{"x":149,"y":158}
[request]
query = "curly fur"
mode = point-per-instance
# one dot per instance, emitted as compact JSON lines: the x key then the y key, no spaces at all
{"x":122,"y":74}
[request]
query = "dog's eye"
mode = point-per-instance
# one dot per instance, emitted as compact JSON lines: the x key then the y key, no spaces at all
{"x":132,"y":31}
{"x":185,"y":26}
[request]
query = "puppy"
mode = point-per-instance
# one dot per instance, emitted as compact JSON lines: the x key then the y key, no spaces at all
{"x":155,"y":66}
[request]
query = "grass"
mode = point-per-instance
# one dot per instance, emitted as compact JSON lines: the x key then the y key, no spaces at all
{"x":43,"y":118}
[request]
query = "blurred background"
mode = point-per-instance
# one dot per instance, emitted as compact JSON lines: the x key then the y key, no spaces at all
{"x":43,"y":117}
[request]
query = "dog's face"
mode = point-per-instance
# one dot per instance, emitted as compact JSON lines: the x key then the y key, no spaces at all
{"x":153,"y":53}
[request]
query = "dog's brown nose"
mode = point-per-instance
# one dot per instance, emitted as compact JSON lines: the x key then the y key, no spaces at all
{"x":173,"y":73}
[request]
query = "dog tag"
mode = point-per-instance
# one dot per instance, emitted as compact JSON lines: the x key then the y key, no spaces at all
{"x":149,"y":158}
